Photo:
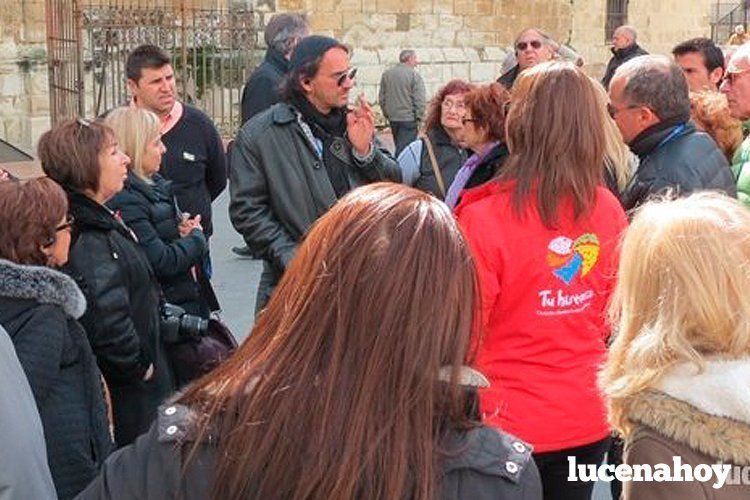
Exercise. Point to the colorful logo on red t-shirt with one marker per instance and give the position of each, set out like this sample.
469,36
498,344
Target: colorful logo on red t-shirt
572,258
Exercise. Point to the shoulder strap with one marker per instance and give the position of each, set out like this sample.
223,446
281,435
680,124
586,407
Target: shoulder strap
433,161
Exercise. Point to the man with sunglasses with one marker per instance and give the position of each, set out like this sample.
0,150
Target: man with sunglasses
402,99
736,86
624,48
650,103
293,161
534,46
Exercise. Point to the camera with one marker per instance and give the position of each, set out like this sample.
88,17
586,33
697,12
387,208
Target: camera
179,326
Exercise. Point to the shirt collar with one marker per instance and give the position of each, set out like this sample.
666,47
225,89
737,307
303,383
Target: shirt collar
169,120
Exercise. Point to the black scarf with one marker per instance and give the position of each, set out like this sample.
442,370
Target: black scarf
327,128
649,139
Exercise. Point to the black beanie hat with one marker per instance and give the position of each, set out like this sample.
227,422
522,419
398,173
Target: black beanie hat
310,48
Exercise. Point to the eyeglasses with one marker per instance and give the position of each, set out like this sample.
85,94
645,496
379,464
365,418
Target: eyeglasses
457,105
731,78
613,110
67,225
535,44
351,75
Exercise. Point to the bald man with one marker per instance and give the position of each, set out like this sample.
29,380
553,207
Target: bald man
624,48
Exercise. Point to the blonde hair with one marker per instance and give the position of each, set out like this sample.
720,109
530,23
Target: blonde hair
710,111
616,153
683,293
134,129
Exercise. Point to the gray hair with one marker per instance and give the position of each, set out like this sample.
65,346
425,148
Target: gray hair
658,83
405,55
546,37
284,31
629,30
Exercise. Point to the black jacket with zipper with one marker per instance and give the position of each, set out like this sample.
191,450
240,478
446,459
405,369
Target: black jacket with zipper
122,319
151,212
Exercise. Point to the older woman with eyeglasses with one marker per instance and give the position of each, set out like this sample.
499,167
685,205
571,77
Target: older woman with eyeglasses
122,319
484,134
430,163
39,308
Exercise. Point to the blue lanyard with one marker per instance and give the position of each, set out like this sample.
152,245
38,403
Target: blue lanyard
677,131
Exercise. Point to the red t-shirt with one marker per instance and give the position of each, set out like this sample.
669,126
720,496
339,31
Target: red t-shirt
544,298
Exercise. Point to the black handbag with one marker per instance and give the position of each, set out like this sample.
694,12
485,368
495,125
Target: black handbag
197,355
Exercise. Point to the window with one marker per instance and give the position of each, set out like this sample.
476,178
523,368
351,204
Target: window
617,15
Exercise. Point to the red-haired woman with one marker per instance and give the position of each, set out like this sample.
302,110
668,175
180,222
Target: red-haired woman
430,163
338,392
544,237
484,134
39,308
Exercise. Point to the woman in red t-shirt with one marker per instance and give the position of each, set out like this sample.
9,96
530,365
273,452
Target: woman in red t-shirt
544,237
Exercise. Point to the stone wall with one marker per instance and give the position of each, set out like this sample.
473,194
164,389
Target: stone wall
454,39
24,93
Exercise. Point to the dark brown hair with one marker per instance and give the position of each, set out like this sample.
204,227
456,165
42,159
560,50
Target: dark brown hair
145,56
29,215
487,106
556,140
334,394
435,110
69,153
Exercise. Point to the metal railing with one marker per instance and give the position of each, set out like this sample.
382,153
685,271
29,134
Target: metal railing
213,50
725,16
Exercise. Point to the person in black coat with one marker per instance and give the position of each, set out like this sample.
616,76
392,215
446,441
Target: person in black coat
624,48
650,103
175,247
261,90
281,35
393,410
38,308
123,318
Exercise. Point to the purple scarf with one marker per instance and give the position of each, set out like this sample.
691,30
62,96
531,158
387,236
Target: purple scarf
464,174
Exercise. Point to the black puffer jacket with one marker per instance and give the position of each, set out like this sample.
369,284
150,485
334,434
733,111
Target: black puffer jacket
122,320
150,211
677,157
483,465
38,307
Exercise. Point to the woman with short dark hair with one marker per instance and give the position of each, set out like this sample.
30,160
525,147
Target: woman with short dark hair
544,236
350,384
484,134
39,307
122,320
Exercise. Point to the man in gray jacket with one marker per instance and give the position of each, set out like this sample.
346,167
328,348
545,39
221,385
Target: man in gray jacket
292,162
402,99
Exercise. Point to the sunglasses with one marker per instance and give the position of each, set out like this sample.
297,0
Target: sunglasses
351,75
68,224
535,44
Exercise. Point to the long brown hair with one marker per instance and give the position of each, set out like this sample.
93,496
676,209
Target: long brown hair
335,393
556,140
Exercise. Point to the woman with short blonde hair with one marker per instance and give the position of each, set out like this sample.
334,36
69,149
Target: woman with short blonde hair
135,128
174,244
678,374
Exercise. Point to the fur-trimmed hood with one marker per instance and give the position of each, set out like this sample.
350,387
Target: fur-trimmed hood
707,411
43,285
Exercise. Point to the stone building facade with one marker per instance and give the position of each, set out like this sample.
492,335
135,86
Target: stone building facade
465,39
